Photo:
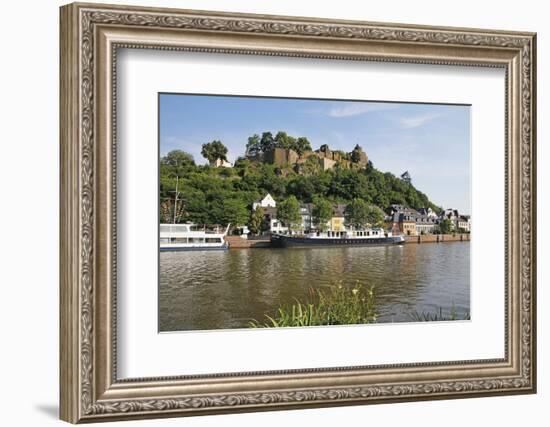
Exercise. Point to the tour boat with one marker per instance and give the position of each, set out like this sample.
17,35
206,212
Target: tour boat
187,237
368,237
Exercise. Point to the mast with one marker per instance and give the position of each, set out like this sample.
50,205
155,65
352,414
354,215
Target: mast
176,199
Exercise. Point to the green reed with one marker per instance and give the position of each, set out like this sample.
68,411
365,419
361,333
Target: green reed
335,305
438,316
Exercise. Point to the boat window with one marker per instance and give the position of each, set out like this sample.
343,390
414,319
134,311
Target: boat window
180,240
213,240
164,240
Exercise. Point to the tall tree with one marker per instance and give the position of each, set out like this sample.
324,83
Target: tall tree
253,146
214,150
256,223
446,226
177,158
288,212
302,145
322,213
283,140
375,216
267,142
359,214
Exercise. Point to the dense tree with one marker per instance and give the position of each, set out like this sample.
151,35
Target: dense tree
228,210
256,223
302,145
311,166
375,216
322,213
253,146
359,214
288,212
446,226
214,150
267,142
177,158
283,140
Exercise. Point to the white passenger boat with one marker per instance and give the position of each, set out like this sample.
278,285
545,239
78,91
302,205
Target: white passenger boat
188,237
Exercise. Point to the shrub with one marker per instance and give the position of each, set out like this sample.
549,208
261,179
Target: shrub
336,305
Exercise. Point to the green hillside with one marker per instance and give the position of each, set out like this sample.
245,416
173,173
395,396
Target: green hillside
209,195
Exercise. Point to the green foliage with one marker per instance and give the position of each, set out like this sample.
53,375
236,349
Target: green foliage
201,188
253,147
302,145
256,223
337,305
322,213
438,316
283,140
267,142
288,212
177,158
446,226
229,211
257,145
311,166
359,214
214,150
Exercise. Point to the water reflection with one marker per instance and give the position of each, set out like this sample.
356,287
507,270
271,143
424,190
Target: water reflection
225,289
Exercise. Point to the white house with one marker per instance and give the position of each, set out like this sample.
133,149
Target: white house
463,222
277,227
221,163
266,202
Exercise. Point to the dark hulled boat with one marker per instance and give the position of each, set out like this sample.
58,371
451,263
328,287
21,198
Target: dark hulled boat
342,239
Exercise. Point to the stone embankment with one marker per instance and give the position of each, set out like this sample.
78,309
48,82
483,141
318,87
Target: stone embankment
236,242
437,238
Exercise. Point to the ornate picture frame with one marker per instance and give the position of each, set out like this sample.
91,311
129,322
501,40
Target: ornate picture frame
90,37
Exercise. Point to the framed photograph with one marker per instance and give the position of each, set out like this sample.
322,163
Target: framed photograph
267,212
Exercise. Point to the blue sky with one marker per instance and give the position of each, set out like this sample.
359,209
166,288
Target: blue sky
431,141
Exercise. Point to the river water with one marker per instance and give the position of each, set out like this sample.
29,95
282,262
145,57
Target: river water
202,290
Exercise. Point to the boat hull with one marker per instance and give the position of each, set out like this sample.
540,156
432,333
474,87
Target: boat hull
282,241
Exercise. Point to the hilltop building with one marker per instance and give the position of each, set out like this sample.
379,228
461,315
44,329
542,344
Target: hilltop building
327,159
221,163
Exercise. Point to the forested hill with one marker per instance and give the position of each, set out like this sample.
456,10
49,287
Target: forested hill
210,195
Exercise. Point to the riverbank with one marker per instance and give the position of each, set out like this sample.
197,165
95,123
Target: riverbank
437,238
236,242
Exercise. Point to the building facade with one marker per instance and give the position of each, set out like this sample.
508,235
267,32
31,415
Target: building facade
267,202
338,220
463,223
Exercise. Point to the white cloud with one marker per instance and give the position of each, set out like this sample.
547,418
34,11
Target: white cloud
357,109
417,121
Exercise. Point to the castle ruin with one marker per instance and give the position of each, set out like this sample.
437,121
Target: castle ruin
356,159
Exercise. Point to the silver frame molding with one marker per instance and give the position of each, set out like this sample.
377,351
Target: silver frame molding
90,37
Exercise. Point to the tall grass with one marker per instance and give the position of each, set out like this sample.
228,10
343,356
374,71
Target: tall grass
335,305
438,316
